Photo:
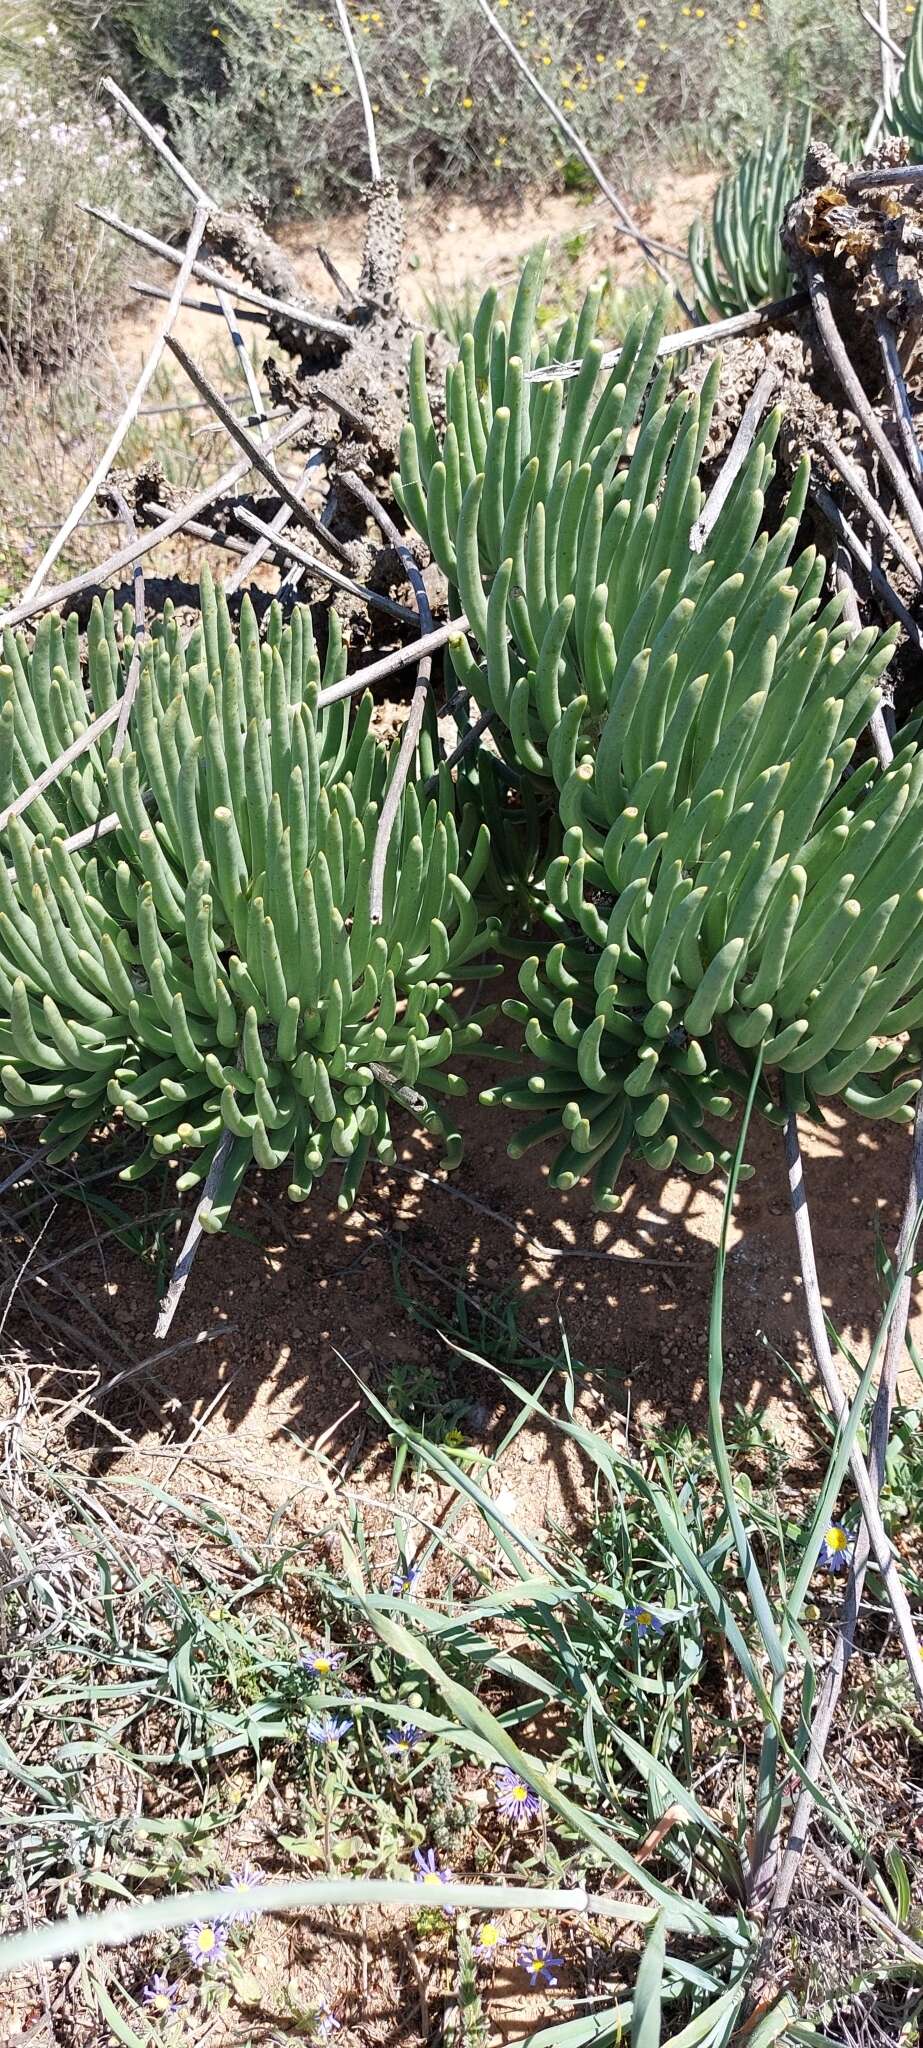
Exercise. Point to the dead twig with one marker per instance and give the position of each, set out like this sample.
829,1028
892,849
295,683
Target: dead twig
820,1346
375,671
281,309
125,558
129,413
879,732
868,420
191,1243
688,337
418,701
365,102
871,506
734,460
259,457
652,249
466,745
284,545
900,401
148,290
861,554
259,548
134,670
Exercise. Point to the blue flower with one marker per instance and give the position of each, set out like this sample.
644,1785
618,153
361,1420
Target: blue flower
324,2024
429,1872
205,1942
324,1728
160,1995
837,1549
405,1579
536,1959
644,1620
403,1741
516,1798
245,1882
322,1662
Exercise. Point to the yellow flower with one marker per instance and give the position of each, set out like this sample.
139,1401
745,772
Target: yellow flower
640,85
568,105
620,98
216,32
641,21
497,162
502,140
620,63
467,101
600,57
546,60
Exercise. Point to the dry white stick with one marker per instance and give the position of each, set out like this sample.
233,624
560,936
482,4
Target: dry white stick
259,457
375,671
820,1346
129,414
125,558
283,545
734,460
367,115
627,226
900,398
158,142
884,37
260,548
285,309
194,1235
688,337
418,701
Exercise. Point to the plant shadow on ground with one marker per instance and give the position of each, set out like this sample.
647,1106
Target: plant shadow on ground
294,1297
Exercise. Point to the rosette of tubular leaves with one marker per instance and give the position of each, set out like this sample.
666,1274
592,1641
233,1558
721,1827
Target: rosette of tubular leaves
728,882
738,260
211,967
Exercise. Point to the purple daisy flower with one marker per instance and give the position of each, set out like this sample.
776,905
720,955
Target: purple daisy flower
536,1959
324,2025
205,1942
644,1621
160,1996
837,1549
429,1872
325,1728
516,1799
405,1579
403,1741
322,1662
245,1882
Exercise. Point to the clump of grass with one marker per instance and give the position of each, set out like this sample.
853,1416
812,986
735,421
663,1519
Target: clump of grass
522,1737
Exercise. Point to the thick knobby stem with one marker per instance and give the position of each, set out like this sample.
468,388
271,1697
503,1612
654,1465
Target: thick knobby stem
820,1346
418,701
130,413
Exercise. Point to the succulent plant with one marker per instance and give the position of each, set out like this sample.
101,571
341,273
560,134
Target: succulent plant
905,116
738,261
211,967
719,890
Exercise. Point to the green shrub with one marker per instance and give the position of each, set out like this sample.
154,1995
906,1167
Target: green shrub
212,968
59,270
690,715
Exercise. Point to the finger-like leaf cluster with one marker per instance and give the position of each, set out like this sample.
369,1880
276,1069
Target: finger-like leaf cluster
738,260
211,969
720,888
